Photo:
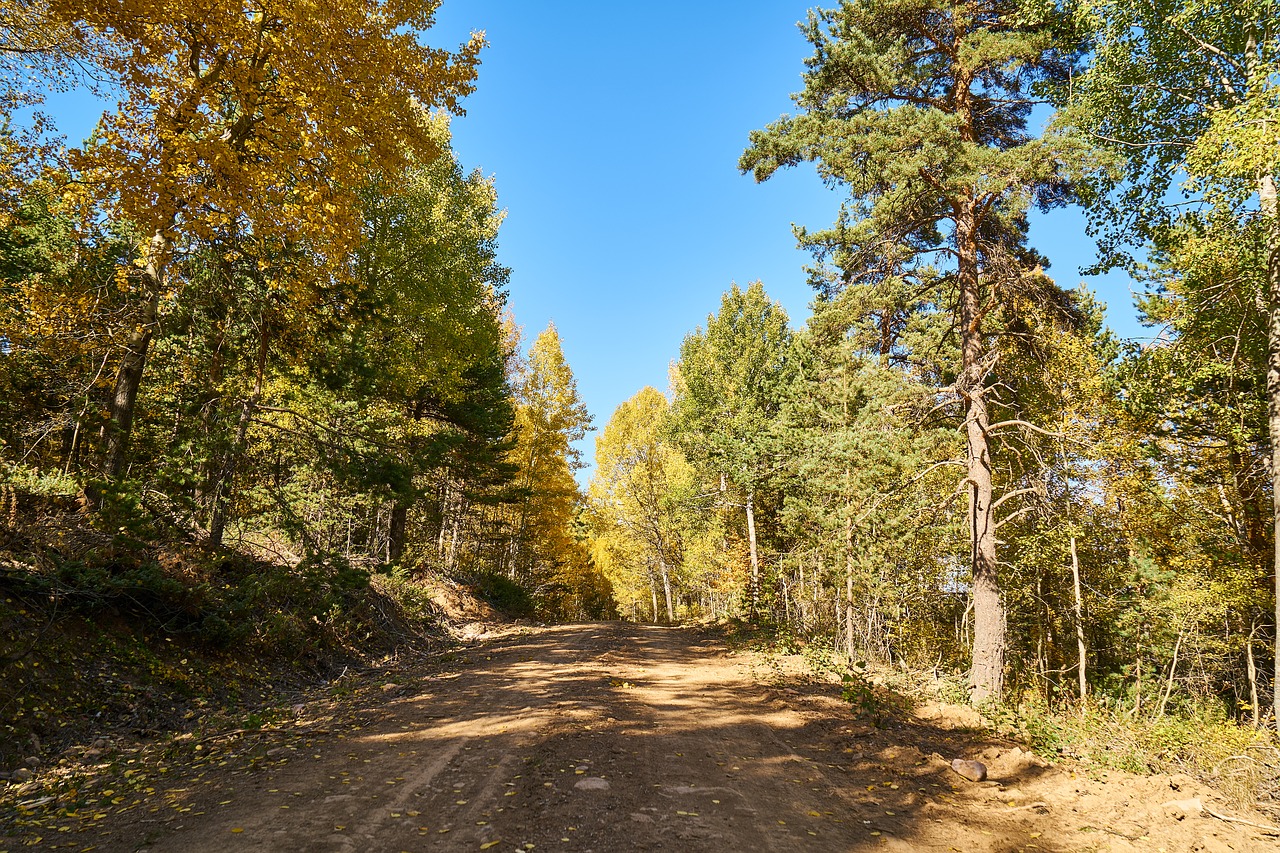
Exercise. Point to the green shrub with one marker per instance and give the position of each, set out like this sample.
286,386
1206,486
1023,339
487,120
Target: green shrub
503,594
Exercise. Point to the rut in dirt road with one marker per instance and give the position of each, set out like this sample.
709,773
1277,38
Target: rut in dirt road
608,737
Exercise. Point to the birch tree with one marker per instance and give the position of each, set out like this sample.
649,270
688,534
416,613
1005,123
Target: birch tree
640,494
1185,94
728,392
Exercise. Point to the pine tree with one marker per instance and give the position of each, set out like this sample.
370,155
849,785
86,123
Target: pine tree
918,109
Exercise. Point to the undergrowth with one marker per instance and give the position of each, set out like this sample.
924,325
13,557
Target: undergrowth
103,631
1241,761
1201,740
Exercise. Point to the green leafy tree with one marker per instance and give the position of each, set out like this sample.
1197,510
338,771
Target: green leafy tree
1184,95
728,387
262,119
865,492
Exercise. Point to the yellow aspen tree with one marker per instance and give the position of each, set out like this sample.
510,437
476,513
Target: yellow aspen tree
258,117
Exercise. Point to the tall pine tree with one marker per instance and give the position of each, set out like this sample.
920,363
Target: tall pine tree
918,109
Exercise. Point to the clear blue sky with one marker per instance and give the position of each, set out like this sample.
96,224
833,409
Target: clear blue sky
613,131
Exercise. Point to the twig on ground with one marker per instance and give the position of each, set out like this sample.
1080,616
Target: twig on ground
1269,830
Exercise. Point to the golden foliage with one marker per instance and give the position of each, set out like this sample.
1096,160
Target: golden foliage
262,116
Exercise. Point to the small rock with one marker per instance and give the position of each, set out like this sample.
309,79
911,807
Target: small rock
1178,809
641,818
100,743
22,774
32,761
591,783
279,750
1209,844
4,777
974,771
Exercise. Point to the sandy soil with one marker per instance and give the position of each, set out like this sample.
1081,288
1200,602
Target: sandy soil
617,737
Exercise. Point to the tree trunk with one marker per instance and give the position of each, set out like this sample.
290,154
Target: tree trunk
222,493
848,608
1252,669
1267,197
1173,669
987,674
800,599
653,593
666,591
396,528
755,557
451,555
124,400
1081,651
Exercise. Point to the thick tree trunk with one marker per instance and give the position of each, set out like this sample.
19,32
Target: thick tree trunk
124,399
987,674
755,556
1267,197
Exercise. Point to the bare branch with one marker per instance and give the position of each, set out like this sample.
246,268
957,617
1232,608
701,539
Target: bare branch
1015,515
1025,425
1015,493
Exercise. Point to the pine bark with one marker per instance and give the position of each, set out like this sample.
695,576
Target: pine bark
987,675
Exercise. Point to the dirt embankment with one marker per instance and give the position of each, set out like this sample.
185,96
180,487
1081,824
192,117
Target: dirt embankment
605,737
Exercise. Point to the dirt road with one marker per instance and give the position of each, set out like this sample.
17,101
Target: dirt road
615,737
